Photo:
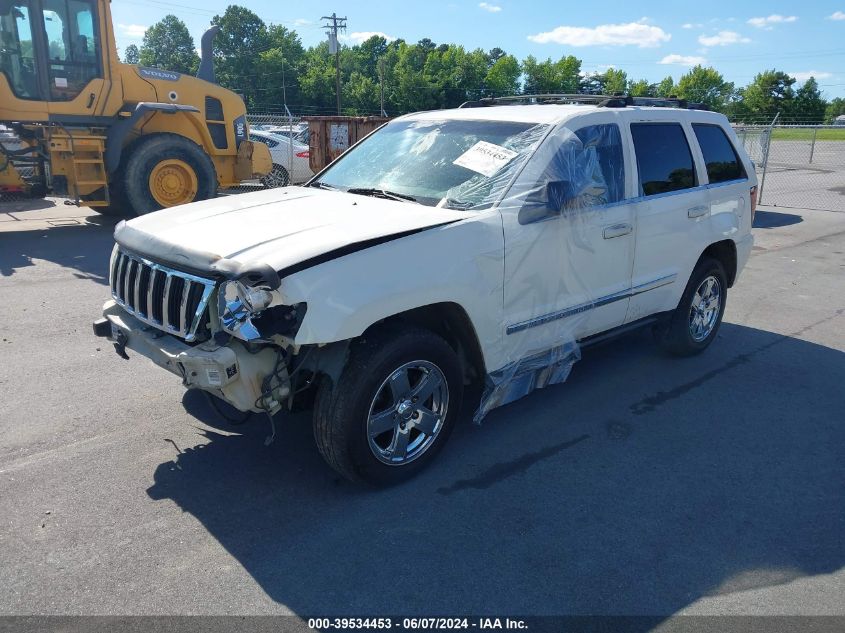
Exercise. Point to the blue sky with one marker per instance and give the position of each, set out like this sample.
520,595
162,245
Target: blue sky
648,39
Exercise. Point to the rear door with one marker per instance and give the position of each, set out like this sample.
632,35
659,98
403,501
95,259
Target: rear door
672,213
728,183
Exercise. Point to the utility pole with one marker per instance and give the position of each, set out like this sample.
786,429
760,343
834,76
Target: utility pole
332,26
381,82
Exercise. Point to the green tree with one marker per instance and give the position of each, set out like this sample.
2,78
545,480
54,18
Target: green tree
360,95
168,45
503,76
770,92
641,88
562,76
665,88
317,80
615,81
131,55
237,52
835,108
705,85
280,67
808,105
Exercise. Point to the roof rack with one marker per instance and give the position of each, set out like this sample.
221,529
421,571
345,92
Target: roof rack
602,101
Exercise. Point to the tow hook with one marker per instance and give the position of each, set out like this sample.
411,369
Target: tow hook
120,340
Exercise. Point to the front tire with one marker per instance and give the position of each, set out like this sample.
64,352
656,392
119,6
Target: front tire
695,322
278,177
166,170
393,408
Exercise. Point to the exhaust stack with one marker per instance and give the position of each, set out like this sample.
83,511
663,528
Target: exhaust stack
206,69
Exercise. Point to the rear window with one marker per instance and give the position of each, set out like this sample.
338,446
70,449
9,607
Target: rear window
664,160
721,158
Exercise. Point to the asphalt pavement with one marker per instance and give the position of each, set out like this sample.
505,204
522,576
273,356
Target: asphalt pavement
643,485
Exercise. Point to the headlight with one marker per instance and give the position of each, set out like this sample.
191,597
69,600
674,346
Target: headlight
237,304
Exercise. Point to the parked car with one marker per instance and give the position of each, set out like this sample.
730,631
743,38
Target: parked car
290,160
292,129
481,245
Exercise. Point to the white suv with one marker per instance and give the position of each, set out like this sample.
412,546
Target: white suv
483,245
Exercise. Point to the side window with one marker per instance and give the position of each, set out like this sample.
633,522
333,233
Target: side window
73,46
606,142
721,158
664,160
17,57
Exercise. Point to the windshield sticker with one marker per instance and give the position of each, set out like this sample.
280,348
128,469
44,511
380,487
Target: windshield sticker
485,158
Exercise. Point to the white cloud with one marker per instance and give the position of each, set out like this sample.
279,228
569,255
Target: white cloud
767,22
629,34
723,38
837,15
492,8
302,22
362,36
691,25
805,75
135,31
683,60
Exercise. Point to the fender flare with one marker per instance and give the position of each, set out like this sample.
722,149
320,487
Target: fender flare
117,133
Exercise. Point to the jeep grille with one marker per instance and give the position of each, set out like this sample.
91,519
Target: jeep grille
168,299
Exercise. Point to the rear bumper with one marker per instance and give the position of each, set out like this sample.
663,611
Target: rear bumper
228,371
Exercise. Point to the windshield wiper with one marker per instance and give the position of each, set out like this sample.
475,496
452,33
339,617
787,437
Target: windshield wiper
322,185
381,193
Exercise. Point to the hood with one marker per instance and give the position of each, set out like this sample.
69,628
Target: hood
277,228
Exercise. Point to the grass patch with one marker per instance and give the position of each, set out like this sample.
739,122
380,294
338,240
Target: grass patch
803,134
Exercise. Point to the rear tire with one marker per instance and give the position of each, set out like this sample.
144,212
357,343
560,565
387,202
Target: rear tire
371,426
695,322
191,178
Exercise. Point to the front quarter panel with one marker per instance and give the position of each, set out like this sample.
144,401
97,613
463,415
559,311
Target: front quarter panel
460,263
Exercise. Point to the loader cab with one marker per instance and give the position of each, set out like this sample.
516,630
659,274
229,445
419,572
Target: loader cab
51,50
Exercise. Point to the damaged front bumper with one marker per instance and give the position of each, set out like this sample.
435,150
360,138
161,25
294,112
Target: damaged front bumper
230,371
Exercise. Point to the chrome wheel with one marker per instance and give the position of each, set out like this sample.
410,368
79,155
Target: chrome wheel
407,412
278,177
705,309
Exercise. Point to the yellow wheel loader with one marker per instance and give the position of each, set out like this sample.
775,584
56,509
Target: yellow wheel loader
121,139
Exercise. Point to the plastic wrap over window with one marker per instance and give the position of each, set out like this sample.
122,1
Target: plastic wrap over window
554,213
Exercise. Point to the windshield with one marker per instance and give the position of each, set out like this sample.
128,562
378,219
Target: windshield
456,164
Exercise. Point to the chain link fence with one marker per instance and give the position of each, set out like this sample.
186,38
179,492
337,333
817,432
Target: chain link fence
798,166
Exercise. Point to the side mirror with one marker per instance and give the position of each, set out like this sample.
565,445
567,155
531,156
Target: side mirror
559,193
546,202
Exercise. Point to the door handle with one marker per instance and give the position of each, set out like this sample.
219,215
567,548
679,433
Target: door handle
616,230
697,212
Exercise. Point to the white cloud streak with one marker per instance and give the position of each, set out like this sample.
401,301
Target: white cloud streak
135,31
362,36
775,18
836,15
723,38
492,8
683,60
637,34
806,74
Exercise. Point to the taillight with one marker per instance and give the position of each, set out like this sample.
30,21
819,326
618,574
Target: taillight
305,154
753,201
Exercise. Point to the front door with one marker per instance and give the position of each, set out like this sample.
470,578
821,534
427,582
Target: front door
569,240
